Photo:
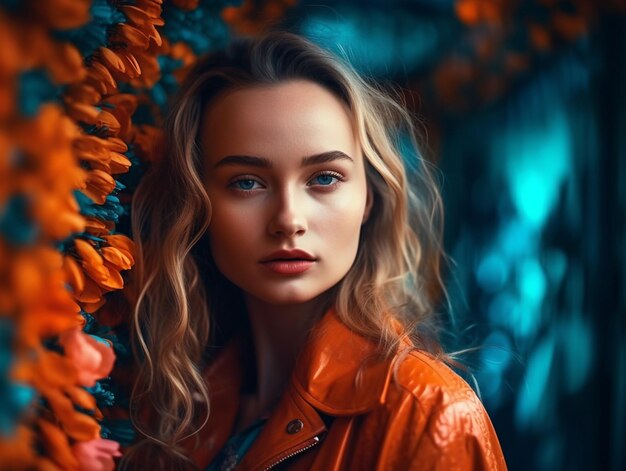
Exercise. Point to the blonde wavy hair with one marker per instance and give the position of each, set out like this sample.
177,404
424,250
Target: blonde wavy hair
180,296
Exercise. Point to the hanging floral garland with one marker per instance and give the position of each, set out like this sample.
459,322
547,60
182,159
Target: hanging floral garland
82,87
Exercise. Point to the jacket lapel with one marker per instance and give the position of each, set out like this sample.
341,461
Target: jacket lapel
294,426
338,373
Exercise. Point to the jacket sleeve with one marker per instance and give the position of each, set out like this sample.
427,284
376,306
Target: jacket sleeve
459,436
440,430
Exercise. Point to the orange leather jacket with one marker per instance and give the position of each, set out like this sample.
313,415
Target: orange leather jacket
342,411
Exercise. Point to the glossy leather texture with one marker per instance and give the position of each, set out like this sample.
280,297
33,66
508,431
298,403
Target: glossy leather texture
346,409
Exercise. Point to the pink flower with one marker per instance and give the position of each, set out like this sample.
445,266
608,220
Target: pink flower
93,359
96,455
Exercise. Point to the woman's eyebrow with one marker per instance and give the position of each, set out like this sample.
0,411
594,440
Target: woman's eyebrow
262,162
325,157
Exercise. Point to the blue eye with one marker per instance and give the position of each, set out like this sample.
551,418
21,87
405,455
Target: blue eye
325,179
245,184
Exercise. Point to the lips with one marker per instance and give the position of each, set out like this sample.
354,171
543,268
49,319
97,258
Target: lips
285,255
288,262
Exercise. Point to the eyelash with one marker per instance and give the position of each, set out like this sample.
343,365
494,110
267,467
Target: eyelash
340,178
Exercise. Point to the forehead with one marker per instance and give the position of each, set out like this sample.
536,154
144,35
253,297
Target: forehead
295,118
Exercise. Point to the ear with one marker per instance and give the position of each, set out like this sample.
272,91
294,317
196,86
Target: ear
369,202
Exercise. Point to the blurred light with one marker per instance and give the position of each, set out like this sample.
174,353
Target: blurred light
503,310
490,387
536,159
496,352
549,453
531,282
528,408
492,272
378,41
555,264
576,338
517,238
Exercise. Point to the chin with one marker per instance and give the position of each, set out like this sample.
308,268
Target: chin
284,299
286,294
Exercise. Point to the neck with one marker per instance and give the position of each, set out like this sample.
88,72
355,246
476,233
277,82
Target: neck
278,333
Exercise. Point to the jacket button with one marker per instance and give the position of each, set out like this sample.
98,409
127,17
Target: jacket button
294,426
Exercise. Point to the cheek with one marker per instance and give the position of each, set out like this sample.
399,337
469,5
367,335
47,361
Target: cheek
230,233
340,224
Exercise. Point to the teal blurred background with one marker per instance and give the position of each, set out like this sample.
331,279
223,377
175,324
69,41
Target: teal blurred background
524,107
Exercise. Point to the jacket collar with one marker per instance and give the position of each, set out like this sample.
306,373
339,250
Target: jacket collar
338,373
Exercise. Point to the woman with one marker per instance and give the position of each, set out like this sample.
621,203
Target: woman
285,280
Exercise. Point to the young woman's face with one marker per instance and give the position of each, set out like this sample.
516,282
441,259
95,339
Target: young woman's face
286,179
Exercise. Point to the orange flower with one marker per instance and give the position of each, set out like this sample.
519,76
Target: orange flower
83,93
183,52
186,4
81,397
123,107
91,298
122,243
62,14
100,78
115,144
91,260
130,35
37,282
93,359
82,112
75,276
65,63
103,154
99,185
119,163
59,216
52,173
150,70
10,53
104,273
132,66
91,294
120,259
92,149
253,17
107,120
145,16
151,10
91,308
115,280
98,227
57,445
149,142
16,451
111,60
77,425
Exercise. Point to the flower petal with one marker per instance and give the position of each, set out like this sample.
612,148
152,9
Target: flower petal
57,445
97,455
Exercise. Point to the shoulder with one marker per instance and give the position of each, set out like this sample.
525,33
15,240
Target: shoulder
439,393
449,426
424,375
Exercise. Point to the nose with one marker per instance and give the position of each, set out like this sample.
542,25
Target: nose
288,216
